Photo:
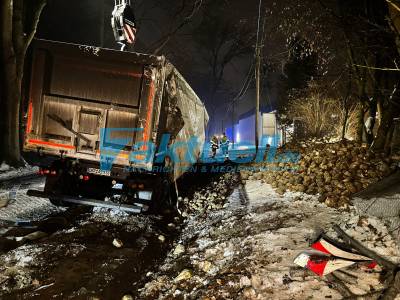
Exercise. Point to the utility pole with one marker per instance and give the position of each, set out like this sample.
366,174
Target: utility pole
233,124
258,66
257,75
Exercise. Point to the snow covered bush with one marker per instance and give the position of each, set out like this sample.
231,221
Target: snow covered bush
322,116
316,113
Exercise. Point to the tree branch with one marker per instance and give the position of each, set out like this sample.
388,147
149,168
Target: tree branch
166,38
394,5
376,68
363,250
393,289
35,21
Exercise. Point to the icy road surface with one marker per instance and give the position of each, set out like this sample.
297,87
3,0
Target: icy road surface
23,207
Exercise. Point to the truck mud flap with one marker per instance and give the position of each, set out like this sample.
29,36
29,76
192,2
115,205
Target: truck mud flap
89,202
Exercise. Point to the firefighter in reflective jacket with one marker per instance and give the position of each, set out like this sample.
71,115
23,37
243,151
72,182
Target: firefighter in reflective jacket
214,145
224,145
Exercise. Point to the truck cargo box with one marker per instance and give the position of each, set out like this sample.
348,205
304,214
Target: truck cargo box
83,100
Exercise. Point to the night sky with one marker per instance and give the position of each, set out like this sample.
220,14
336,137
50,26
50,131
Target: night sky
88,22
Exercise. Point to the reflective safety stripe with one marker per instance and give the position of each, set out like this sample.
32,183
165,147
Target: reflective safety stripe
40,142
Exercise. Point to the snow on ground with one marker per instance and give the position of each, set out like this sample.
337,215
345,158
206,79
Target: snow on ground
15,264
4,167
382,200
23,207
8,173
115,216
83,261
246,251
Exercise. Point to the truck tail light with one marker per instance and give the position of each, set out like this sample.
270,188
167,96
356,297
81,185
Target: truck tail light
47,172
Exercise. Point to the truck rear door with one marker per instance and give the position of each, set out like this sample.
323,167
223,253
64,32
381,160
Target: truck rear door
75,94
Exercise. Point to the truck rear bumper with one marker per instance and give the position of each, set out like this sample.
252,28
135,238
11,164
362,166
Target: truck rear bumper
136,209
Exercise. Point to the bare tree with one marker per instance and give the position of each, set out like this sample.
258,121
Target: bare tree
220,39
315,110
169,18
361,37
183,21
19,20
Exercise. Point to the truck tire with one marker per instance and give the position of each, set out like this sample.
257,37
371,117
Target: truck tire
165,199
55,187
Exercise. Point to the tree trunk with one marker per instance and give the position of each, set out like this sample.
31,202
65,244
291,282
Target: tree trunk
346,108
345,120
386,122
10,146
14,44
360,124
389,138
9,139
384,128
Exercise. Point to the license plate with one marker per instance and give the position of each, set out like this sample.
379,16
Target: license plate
98,172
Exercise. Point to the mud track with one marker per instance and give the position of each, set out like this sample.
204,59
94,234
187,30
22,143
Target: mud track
76,258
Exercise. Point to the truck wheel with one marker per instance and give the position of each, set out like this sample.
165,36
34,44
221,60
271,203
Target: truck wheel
166,198
54,187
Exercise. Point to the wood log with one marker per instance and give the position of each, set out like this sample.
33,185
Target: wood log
363,250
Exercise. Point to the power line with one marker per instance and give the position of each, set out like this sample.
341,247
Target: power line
243,91
256,64
246,84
